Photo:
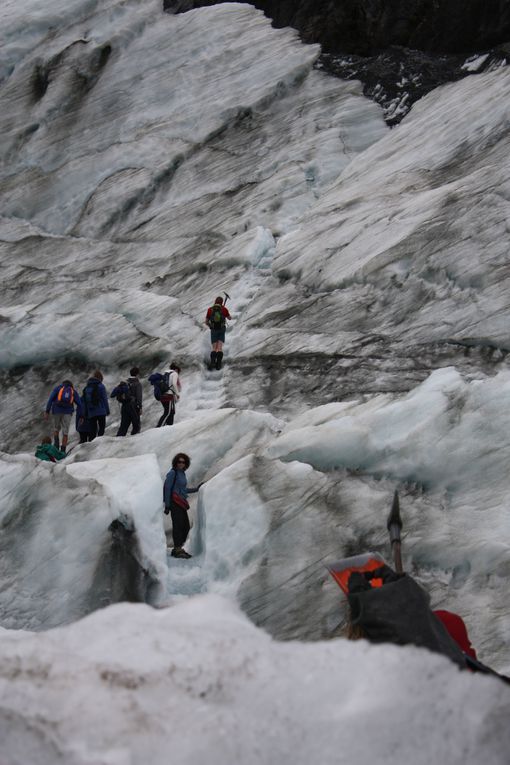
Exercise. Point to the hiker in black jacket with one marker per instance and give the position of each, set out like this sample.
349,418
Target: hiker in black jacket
129,395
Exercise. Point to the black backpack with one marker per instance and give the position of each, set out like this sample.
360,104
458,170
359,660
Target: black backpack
216,319
91,395
124,393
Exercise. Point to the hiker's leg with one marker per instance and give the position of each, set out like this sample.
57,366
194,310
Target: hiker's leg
55,420
101,424
170,418
166,406
135,420
66,422
84,437
125,420
180,525
93,428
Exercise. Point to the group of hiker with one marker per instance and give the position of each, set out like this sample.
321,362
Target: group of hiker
92,407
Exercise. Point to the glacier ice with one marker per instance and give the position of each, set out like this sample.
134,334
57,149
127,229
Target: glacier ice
150,162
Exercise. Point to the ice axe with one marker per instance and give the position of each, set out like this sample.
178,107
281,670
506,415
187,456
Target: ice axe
394,526
227,297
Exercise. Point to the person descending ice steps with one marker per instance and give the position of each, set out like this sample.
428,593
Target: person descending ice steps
216,319
175,498
61,404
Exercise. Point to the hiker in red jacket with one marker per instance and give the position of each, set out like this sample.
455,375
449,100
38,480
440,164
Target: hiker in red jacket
216,320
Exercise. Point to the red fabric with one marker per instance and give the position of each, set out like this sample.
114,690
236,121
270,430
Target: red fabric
457,630
224,312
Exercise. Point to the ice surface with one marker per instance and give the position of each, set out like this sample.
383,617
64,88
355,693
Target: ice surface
199,681
149,163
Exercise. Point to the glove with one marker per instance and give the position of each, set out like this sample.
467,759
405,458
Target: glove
359,581
166,510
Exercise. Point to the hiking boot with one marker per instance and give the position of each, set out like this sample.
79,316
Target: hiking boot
212,364
56,442
219,357
178,552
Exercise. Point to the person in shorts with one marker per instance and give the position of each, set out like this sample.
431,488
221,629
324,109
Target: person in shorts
216,320
61,403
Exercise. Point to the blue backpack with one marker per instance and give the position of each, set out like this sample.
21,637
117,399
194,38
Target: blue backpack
66,395
160,384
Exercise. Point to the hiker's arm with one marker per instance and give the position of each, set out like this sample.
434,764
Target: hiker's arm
115,392
139,396
104,396
167,488
50,402
197,488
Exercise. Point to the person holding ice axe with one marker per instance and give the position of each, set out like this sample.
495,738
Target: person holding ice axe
216,320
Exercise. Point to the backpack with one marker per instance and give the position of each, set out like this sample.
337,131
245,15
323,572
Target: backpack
91,395
65,395
160,383
164,383
216,319
123,392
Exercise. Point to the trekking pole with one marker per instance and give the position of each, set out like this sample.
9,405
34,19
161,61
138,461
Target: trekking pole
394,526
227,297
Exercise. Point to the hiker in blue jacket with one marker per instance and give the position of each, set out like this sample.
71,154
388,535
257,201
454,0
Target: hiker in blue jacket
95,407
175,497
60,404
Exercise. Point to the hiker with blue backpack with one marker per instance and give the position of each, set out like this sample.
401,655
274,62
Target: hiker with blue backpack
94,408
167,389
216,319
61,403
129,395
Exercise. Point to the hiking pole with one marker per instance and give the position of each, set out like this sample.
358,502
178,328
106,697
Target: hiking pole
227,297
394,526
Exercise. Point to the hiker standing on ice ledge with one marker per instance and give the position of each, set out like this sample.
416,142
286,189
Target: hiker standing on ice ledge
216,320
175,497
61,403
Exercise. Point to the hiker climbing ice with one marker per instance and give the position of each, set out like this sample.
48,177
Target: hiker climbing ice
216,319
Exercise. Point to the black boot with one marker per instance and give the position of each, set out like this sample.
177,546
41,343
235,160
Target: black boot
219,357
212,365
56,442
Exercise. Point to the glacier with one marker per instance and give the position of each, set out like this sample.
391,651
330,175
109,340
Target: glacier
150,162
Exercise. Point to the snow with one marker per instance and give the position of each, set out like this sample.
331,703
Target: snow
199,681
149,163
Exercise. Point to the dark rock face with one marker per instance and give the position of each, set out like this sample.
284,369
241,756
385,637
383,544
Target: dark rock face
399,50
398,77
365,27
